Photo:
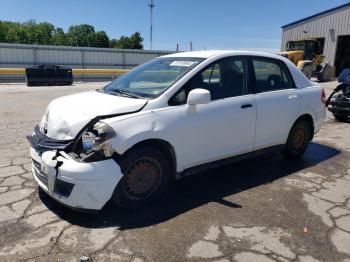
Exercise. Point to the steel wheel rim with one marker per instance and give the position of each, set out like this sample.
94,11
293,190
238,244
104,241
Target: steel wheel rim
142,178
299,138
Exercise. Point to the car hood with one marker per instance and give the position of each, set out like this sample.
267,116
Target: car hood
66,116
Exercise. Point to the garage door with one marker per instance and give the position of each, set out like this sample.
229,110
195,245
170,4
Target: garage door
342,59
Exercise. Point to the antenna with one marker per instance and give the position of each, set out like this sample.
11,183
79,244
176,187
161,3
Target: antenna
151,5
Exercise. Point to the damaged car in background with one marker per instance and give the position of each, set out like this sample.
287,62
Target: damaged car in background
339,99
173,116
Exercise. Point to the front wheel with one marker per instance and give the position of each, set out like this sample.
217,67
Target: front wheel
298,140
146,175
341,118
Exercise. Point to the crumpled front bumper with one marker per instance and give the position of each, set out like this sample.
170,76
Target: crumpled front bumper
78,185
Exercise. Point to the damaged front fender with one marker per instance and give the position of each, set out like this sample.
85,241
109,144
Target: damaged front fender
42,142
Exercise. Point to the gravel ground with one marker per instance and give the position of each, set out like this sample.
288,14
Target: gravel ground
260,209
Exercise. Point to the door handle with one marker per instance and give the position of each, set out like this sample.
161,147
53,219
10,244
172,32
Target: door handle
292,96
246,106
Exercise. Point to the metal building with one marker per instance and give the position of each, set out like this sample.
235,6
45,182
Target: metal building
21,56
332,26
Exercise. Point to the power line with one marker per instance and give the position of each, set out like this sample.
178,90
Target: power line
151,5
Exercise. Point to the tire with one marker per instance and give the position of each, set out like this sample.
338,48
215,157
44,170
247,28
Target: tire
341,118
307,70
298,140
326,74
146,176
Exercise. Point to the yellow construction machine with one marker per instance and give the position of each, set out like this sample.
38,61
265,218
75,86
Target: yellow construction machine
308,56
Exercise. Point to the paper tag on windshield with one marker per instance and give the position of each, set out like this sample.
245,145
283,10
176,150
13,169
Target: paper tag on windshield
182,63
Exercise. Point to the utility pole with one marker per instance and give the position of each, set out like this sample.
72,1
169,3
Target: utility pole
151,5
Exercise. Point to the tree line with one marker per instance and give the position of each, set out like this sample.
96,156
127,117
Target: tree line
45,33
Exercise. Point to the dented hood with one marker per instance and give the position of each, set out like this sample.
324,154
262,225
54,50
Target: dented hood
66,116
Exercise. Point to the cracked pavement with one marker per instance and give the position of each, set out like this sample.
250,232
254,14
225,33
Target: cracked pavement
261,209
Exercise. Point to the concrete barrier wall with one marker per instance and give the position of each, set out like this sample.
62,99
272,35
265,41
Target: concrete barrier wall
21,56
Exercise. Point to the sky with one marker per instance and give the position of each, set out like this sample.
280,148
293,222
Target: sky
209,24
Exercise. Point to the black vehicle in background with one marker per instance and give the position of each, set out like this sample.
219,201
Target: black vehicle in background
49,75
340,104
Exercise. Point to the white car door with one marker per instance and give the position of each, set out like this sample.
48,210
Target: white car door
226,126
277,102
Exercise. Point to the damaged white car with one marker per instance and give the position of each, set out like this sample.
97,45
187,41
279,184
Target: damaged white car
170,117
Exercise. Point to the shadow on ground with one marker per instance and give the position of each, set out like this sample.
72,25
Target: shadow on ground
188,193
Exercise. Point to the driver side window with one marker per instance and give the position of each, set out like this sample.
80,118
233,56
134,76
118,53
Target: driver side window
224,78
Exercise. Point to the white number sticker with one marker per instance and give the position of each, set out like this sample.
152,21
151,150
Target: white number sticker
182,63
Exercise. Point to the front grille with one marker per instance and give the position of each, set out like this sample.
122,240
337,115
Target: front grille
37,172
41,176
36,164
41,142
340,104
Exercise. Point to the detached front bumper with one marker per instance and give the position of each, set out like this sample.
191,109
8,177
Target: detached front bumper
339,108
78,185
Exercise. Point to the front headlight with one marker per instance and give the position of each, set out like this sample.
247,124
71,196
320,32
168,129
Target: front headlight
97,139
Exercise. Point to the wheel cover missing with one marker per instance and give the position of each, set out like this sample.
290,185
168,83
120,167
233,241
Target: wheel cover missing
142,177
299,138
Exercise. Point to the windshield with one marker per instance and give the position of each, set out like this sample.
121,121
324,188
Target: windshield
153,78
295,46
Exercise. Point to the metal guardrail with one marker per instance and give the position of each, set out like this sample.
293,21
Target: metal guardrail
12,71
89,71
83,71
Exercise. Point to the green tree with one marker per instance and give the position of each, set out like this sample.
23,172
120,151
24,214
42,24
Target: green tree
4,28
81,35
45,33
136,41
40,34
126,42
101,39
17,34
59,37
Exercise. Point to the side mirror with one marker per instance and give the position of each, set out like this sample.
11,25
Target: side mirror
198,96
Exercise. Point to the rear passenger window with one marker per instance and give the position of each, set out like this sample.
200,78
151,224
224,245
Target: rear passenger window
270,76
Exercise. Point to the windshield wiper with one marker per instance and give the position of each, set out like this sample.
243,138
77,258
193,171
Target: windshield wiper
123,93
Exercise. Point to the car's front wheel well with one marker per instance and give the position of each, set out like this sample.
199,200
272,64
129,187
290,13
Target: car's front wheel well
308,118
163,146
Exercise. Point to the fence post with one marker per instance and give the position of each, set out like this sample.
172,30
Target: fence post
82,63
124,59
35,55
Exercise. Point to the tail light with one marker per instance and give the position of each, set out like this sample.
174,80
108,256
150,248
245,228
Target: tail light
323,97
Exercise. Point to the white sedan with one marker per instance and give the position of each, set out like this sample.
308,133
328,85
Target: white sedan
170,117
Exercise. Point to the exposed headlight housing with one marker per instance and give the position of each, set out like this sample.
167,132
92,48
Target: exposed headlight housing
43,122
96,140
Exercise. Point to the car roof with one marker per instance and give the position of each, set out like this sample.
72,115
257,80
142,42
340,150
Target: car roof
300,79
210,53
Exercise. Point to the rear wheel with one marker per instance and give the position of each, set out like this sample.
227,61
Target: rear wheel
146,175
326,74
307,70
298,140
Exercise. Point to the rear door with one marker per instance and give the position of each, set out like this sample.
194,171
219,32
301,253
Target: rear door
277,101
